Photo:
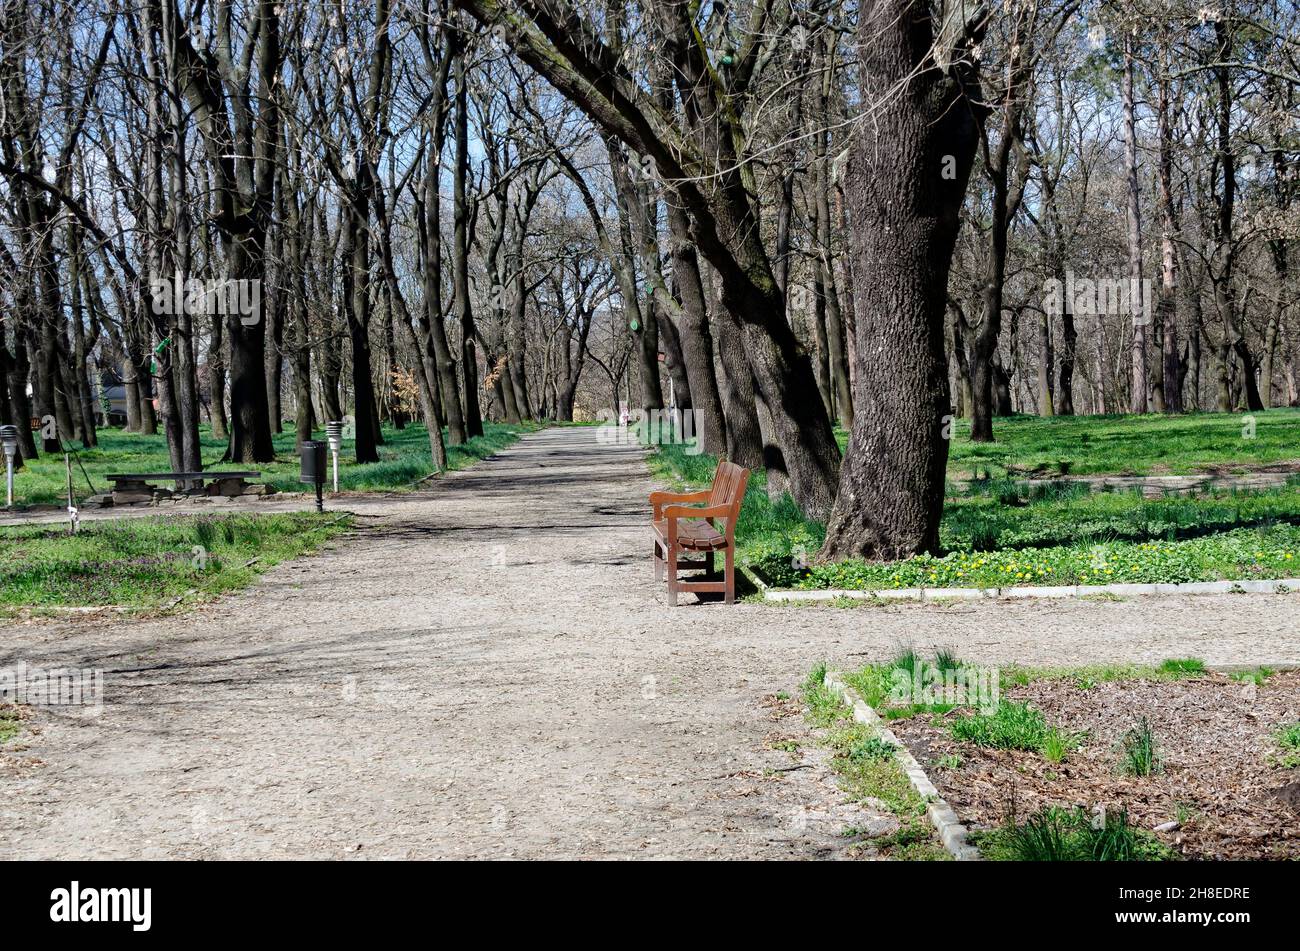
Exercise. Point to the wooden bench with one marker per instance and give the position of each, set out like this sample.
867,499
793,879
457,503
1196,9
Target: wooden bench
681,527
131,487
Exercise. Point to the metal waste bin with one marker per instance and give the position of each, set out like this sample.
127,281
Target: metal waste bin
311,456
9,441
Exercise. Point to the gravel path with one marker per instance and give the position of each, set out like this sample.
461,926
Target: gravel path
487,669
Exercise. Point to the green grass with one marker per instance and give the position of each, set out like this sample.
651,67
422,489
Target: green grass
1009,538
1136,445
1183,666
879,684
1256,676
1070,835
9,722
1288,740
867,770
1238,554
404,459
980,524
1088,676
1013,726
1139,752
148,562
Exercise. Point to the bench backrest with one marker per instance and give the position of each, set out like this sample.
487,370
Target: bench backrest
729,484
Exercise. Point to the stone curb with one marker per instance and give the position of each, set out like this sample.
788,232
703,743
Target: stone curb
754,579
951,832
1279,586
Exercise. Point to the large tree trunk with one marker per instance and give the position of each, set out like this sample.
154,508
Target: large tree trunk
744,437
905,220
433,332
694,336
460,253
1133,206
1065,369
837,358
243,197
1167,303
356,308
1043,396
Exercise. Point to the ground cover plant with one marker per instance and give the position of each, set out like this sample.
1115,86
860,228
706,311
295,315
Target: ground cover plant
403,459
1019,536
867,770
148,562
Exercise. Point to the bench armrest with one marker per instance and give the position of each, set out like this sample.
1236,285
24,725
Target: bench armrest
674,512
660,499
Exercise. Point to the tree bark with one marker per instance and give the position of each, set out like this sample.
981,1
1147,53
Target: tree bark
1133,207
905,216
460,252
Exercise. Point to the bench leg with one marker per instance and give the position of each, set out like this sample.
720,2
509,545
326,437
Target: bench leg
708,565
659,564
730,575
672,576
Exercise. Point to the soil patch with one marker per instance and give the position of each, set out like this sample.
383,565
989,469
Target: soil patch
1221,780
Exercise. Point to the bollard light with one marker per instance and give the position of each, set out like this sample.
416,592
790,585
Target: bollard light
9,439
334,432
312,462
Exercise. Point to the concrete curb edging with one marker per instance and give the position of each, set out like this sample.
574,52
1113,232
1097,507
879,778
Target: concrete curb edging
755,580
951,831
1279,586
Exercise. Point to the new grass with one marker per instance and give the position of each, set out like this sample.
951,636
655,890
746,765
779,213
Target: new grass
867,770
1056,834
1288,741
1010,538
1128,445
1088,676
1140,752
149,562
403,459
9,722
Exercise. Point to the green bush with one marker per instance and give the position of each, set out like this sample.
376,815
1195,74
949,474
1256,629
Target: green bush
144,562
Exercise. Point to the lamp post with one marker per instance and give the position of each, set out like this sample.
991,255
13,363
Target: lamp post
334,432
9,439
312,467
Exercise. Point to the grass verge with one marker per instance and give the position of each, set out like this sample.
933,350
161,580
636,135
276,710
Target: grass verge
867,770
1059,540
147,562
403,459
1129,445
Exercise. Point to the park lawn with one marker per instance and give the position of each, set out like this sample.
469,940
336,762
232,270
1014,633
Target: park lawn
1015,536
149,562
404,460
1128,445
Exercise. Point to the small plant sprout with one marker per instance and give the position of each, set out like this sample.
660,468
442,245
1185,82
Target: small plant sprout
1140,755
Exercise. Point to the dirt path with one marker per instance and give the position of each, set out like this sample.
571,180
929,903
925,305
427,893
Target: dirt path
489,670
